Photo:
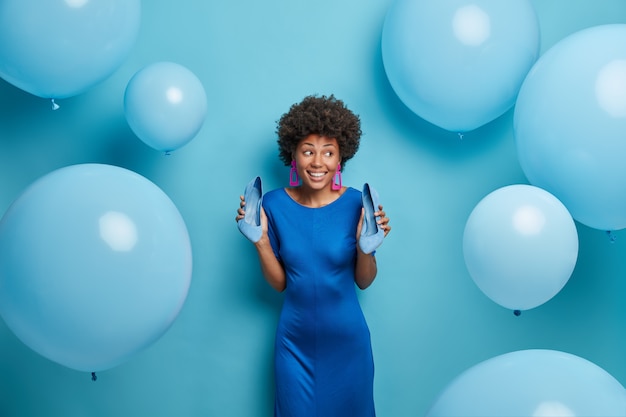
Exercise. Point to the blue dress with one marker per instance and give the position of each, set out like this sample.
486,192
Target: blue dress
323,355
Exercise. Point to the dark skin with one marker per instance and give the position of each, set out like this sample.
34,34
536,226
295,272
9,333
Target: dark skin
317,158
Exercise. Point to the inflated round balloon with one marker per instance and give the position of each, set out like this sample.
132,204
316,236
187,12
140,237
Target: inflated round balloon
459,64
520,246
536,382
165,105
58,49
569,124
95,265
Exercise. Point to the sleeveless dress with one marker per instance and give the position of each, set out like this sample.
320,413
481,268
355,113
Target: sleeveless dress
323,357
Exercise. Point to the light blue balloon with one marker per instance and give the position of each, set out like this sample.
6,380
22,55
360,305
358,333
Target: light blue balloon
95,265
569,124
520,246
459,64
535,382
57,49
165,105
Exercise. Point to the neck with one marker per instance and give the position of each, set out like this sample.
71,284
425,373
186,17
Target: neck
314,198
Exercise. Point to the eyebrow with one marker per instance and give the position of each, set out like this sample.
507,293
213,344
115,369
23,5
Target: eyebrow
324,145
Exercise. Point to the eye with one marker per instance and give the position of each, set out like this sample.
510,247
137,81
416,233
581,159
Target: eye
307,153
329,153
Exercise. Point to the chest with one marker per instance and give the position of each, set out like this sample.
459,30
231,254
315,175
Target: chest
310,238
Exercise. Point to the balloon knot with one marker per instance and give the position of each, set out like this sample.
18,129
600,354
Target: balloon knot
460,135
611,236
55,106
94,377
517,312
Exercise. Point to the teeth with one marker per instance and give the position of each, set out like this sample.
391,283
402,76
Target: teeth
317,174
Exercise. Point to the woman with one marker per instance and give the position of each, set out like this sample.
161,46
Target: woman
308,246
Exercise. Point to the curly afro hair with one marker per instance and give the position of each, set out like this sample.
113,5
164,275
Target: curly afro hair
324,116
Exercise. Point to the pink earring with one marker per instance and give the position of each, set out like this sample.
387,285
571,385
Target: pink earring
336,185
293,175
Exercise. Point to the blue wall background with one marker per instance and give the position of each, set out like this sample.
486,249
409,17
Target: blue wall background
429,322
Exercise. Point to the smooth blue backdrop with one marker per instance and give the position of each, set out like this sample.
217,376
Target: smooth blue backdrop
429,321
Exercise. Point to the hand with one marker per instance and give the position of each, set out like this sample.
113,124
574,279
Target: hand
241,213
383,220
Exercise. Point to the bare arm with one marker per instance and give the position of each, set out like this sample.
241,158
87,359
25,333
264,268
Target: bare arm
272,270
366,269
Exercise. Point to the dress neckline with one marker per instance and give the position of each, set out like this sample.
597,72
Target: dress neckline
315,208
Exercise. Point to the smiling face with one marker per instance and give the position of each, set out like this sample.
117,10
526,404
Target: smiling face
316,159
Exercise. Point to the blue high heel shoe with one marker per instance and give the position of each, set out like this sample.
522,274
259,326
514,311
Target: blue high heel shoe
372,234
250,225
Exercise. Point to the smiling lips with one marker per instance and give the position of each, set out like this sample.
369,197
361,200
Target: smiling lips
316,174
